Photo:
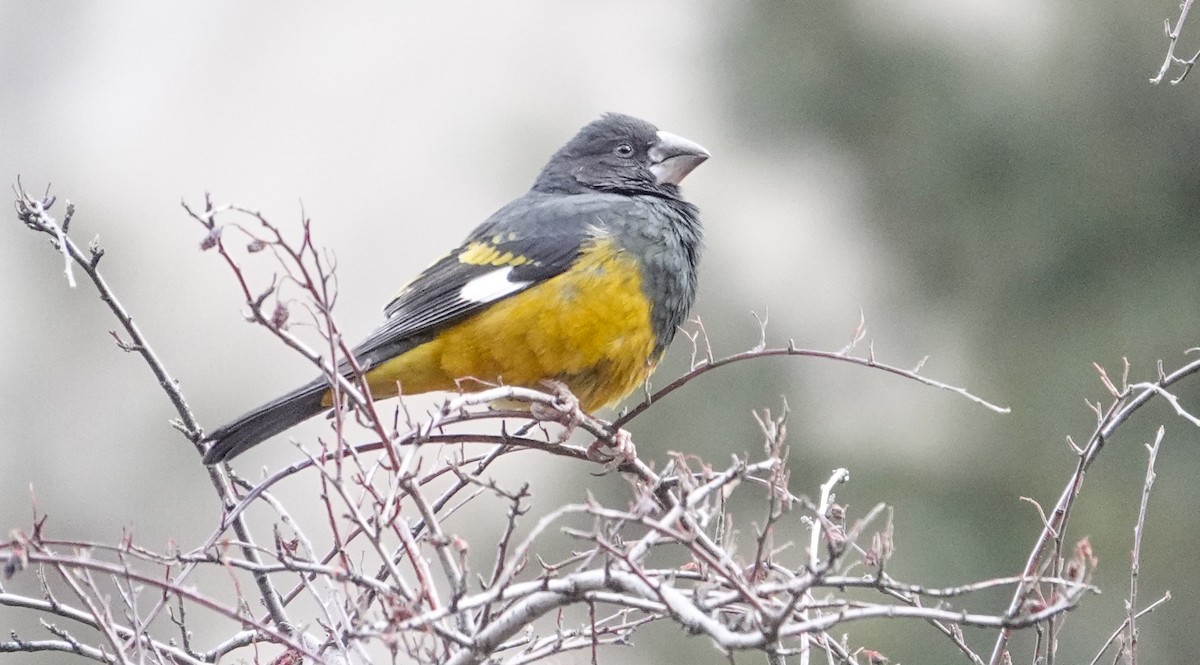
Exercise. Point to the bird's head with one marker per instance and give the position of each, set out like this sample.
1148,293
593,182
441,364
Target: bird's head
620,153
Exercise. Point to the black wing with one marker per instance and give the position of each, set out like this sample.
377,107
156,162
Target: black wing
528,241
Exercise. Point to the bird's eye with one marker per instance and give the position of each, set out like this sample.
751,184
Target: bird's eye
623,150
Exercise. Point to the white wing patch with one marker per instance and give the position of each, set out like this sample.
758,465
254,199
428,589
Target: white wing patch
491,286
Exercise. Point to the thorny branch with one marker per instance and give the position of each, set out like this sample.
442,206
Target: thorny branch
1173,33
1127,400
386,551
1139,528
34,213
709,363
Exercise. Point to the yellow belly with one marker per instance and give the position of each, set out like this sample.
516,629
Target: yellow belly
588,327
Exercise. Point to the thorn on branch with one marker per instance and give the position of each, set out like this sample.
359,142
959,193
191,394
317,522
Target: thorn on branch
708,351
1042,514
762,330
860,332
1074,446
1108,384
127,347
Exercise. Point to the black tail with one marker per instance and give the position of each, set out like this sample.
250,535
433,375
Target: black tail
265,422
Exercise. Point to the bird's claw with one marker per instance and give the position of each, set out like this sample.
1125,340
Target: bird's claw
615,451
564,410
612,451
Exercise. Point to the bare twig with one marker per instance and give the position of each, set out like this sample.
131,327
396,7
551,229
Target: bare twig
1121,409
704,366
814,553
1125,624
667,552
1130,647
33,212
1172,33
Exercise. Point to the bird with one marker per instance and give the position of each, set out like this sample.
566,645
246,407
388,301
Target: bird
582,281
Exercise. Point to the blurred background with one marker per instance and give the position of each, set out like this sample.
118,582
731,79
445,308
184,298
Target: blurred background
994,184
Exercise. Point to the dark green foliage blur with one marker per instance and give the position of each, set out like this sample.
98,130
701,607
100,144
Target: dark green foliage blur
1042,197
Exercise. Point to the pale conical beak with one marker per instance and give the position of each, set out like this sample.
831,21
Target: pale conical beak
673,157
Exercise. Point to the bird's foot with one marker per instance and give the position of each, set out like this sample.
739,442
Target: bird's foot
564,410
614,451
